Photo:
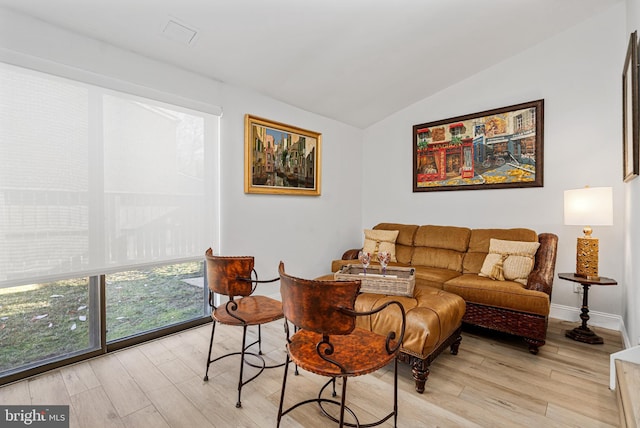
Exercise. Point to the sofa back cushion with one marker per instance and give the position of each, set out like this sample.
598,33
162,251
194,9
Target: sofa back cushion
440,246
481,239
377,241
509,260
404,241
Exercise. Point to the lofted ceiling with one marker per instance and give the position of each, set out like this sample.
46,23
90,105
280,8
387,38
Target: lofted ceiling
356,61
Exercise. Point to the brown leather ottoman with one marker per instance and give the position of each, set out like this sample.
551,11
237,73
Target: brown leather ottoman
433,323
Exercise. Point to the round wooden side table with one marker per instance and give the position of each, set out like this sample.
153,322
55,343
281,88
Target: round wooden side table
582,333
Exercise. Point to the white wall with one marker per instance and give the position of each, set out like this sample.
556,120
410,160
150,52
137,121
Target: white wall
305,232
631,298
578,74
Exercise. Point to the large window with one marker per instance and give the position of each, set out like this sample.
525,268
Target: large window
107,201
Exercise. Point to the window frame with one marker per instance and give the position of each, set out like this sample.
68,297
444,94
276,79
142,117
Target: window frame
97,283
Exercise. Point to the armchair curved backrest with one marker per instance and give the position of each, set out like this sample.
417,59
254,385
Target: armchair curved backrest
229,275
317,305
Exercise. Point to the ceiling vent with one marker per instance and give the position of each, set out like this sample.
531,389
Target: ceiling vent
179,32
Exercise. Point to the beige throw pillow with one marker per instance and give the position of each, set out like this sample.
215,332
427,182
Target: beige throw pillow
509,260
380,240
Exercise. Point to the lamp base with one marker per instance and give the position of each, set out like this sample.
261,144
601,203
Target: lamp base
587,258
584,335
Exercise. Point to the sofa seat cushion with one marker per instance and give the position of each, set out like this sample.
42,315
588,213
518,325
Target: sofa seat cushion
432,315
433,277
503,294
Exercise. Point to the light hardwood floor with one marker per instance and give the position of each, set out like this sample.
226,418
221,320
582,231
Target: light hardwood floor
492,382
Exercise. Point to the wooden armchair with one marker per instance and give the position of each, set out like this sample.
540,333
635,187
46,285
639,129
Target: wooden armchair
236,278
328,343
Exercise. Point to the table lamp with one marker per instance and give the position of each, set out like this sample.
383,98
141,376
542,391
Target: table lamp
591,206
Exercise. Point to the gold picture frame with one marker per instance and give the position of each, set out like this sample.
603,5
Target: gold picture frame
630,113
281,159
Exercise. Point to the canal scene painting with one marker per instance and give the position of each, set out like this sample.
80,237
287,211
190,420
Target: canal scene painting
497,149
280,158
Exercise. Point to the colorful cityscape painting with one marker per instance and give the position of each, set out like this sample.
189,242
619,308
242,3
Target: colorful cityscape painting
281,159
498,148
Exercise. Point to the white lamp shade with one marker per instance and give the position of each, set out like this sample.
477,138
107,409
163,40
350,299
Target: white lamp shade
591,206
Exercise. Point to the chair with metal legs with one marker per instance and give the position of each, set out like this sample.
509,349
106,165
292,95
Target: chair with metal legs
328,343
236,278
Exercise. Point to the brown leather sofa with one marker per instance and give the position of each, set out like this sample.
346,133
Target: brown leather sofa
448,259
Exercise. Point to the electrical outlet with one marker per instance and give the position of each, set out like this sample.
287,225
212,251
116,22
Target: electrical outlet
577,288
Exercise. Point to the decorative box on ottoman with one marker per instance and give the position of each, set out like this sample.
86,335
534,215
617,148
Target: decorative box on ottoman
396,281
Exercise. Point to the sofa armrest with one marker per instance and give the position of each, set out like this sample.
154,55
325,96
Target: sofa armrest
351,254
541,277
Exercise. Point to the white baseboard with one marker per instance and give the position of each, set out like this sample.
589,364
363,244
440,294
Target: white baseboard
597,319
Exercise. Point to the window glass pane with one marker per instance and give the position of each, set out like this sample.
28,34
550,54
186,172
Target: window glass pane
43,322
147,299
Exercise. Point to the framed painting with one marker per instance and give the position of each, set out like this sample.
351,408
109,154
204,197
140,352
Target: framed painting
493,149
280,159
630,159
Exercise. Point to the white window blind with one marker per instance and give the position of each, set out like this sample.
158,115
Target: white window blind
94,180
